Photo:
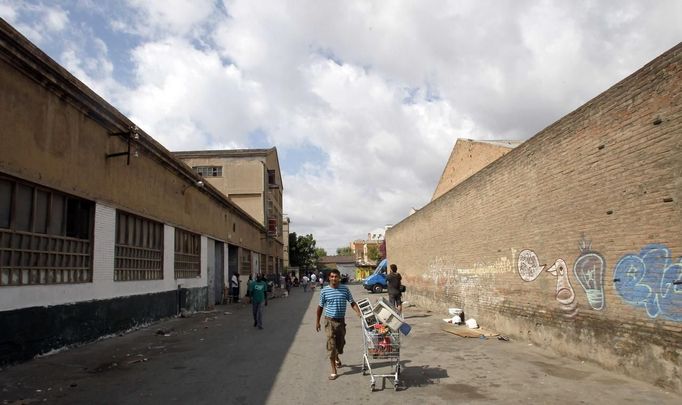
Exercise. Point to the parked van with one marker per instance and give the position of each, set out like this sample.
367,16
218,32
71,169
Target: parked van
377,281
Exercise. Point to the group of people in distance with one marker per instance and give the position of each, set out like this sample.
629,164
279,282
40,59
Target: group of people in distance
311,280
334,299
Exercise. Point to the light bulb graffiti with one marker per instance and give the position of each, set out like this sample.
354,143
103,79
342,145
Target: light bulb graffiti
589,271
651,279
529,269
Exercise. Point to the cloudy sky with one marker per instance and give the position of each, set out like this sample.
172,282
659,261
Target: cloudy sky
363,99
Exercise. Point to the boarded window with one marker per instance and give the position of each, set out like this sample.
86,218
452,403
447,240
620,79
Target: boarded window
139,248
187,254
34,247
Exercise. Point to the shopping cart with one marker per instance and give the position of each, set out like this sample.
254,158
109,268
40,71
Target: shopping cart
381,347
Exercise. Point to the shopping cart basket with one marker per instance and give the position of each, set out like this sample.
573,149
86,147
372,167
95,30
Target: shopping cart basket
381,349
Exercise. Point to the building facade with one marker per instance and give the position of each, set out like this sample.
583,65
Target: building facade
285,241
572,240
468,157
251,178
101,228
362,248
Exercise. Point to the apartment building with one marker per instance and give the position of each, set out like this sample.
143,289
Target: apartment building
251,178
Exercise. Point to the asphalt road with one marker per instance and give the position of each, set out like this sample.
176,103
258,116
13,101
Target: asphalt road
220,358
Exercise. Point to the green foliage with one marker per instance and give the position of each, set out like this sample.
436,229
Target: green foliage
344,251
373,253
320,252
302,251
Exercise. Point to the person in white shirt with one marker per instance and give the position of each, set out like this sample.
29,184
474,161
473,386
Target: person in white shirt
313,281
234,285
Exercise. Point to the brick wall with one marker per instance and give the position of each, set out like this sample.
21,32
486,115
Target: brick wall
573,240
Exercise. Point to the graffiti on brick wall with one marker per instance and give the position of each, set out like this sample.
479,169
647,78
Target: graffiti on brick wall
444,275
529,266
529,269
589,271
651,279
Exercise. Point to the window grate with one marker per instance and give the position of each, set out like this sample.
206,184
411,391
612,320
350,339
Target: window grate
246,262
139,248
187,254
32,259
45,235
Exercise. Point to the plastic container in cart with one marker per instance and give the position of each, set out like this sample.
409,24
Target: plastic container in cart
385,313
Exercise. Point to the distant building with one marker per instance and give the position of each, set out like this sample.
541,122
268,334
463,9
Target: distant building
468,157
250,178
344,264
361,247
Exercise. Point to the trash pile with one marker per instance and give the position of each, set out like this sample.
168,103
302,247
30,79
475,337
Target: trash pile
457,318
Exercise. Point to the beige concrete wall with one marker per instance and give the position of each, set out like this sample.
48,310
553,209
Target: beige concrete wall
572,240
467,157
242,182
50,137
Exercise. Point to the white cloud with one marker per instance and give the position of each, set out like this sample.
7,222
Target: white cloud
383,88
35,21
189,99
160,18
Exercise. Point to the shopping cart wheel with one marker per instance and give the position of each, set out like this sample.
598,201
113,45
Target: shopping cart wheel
371,387
364,372
395,385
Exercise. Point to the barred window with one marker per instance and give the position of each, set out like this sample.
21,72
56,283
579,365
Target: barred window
263,265
45,235
187,254
209,171
138,251
271,265
246,262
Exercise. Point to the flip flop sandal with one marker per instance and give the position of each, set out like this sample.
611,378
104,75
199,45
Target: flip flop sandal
333,376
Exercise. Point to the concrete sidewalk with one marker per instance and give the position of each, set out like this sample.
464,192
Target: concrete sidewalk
219,357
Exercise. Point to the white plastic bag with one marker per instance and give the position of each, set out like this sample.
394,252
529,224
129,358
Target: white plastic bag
471,323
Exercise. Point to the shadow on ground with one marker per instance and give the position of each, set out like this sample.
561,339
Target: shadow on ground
182,360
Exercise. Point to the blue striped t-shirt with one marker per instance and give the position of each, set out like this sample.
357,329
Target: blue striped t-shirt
333,300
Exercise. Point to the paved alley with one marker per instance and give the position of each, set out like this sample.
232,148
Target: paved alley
220,358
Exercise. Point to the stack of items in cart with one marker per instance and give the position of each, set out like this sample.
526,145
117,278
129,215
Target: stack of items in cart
383,325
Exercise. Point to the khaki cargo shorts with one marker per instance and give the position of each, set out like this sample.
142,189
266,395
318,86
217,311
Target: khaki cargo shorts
335,328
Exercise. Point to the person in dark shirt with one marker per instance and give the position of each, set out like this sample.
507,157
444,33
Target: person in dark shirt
394,281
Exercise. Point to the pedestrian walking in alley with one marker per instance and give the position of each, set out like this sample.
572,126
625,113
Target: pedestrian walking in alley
249,283
313,281
304,282
321,279
234,285
394,281
333,300
259,298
